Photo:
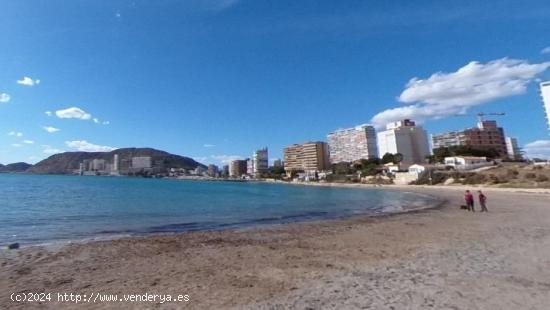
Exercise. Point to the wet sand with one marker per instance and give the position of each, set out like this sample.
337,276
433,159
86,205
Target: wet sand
443,258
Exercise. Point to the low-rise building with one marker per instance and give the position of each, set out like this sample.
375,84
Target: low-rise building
467,162
417,169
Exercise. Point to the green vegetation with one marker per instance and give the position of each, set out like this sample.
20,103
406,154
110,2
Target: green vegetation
276,173
460,150
392,158
364,167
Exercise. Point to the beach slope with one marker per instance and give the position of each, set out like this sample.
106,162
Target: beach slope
443,258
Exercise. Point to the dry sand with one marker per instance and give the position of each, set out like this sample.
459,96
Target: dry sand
442,258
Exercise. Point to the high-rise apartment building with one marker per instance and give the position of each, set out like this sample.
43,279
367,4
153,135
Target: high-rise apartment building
447,139
306,157
260,162
249,167
142,162
513,149
237,168
98,164
115,163
212,170
351,144
406,138
487,135
545,93
277,163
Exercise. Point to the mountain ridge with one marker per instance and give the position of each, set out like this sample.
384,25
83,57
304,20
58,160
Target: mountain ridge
68,162
15,167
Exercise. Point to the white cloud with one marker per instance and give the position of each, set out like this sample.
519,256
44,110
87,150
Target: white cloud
4,98
208,145
73,112
225,159
28,141
201,159
48,113
545,50
27,81
85,146
98,121
217,159
15,133
445,94
16,145
51,129
537,149
50,150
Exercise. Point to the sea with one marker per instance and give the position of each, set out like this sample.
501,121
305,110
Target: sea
46,209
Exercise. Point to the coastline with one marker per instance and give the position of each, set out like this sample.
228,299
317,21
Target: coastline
421,187
441,258
260,223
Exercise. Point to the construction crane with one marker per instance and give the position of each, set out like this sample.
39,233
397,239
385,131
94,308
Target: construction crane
481,115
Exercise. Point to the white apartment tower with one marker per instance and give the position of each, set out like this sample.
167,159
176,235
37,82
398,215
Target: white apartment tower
406,138
115,163
545,93
512,148
351,144
260,162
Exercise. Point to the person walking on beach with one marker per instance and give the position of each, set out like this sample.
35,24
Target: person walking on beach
469,198
482,202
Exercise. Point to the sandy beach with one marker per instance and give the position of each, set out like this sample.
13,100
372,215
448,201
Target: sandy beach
442,258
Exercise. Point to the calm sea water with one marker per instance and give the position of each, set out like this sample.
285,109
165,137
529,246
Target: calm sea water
41,209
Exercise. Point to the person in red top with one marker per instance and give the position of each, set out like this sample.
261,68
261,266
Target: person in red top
482,202
469,198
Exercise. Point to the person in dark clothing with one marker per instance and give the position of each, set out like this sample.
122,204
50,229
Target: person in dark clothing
469,198
483,202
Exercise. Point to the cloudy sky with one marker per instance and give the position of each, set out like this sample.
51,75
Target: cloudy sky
215,79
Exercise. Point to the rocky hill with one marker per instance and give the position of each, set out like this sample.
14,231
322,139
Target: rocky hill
68,162
15,167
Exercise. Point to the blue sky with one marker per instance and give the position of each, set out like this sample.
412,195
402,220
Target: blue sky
216,79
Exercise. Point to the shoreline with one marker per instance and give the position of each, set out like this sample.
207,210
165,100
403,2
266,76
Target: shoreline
419,187
434,203
441,258
502,187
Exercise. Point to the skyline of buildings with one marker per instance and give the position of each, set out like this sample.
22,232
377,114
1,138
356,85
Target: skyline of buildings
344,145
